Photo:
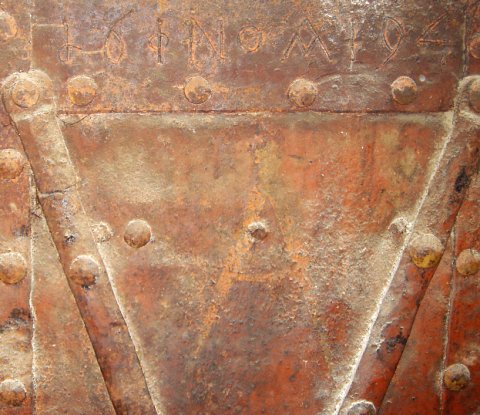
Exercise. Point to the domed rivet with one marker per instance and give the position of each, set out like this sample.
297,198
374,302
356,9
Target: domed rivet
81,90
468,262
137,233
12,392
13,268
84,270
474,95
362,408
11,163
456,377
474,46
25,93
257,231
404,90
302,93
8,26
197,90
426,250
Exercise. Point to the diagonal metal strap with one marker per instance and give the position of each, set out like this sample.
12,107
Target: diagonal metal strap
29,100
434,222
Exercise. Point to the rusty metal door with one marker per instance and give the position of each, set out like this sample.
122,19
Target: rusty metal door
240,207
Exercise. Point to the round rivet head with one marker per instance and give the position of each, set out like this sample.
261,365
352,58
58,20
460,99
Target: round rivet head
197,90
404,90
456,377
362,408
474,95
12,392
137,233
81,90
13,268
468,262
25,93
257,231
426,250
84,270
302,93
8,26
11,163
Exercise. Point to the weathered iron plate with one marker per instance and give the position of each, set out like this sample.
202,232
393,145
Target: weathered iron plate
16,317
472,37
224,322
142,53
241,176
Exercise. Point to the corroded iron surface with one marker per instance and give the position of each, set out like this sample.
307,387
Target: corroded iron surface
229,207
248,53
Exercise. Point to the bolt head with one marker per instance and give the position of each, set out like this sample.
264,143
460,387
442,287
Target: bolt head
302,93
362,408
81,90
13,268
426,250
468,262
12,392
25,92
197,90
84,270
257,231
11,163
138,233
404,90
456,377
474,95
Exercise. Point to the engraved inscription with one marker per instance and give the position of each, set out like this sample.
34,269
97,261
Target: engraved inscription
428,36
206,41
393,34
306,47
250,38
198,37
159,41
115,46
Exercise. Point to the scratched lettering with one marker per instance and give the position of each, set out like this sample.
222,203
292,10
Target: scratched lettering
198,36
250,38
205,41
158,42
393,35
115,46
428,35
306,47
